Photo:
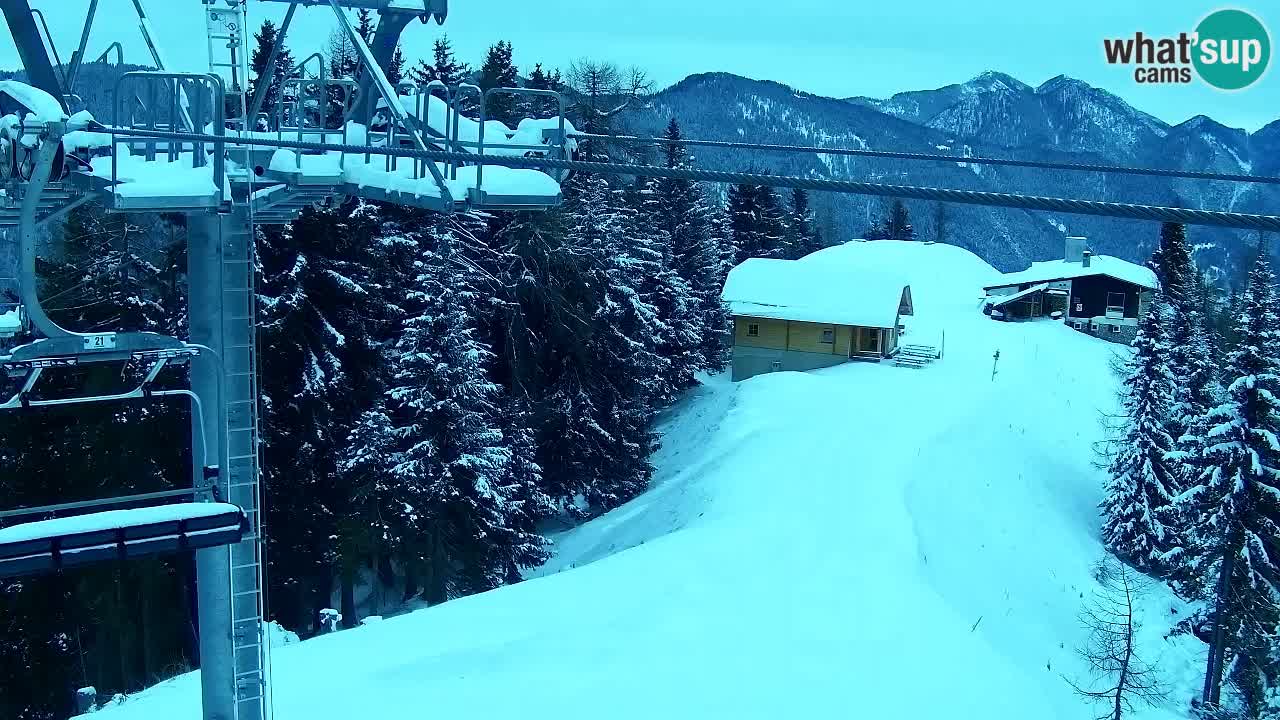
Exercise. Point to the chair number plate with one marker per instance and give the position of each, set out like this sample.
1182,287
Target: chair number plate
100,341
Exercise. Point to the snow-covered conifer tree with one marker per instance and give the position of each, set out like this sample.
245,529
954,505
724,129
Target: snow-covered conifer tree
757,222
1138,508
688,220
452,462
1235,508
802,236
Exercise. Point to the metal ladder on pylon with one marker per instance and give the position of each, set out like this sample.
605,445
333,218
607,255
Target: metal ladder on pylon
227,25
250,640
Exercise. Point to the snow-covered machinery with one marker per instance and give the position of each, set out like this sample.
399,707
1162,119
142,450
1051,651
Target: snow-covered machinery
375,115
204,146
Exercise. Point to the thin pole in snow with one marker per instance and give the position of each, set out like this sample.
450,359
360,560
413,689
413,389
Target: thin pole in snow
995,360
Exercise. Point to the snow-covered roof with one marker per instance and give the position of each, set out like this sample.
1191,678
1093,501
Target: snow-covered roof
813,292
1062,270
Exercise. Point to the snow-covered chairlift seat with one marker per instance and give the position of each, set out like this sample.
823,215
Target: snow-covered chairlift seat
49,545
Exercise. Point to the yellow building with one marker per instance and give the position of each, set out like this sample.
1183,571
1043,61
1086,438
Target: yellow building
797,315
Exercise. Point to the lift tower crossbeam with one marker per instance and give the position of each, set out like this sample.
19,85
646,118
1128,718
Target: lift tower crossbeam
31,48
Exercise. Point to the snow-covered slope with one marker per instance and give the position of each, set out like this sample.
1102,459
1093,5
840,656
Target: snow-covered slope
864,540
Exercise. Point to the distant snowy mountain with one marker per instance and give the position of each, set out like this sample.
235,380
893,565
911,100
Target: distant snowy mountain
996,109
993,114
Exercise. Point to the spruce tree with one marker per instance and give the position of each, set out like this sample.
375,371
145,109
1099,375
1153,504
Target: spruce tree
395,68
444,66
941,221
1138,510
453,463
688,220
365,25
802,235
1198,390
596,437
266,37
1176,276
521,483
499,71
321,320
539,79
896,225
757,222
1173,264
679,310
364,463
1235,508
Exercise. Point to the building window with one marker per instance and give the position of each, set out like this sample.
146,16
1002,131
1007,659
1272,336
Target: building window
1115,304
753,329
829,336
1115,328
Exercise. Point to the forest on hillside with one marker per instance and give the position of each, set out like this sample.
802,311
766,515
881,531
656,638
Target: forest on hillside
437,392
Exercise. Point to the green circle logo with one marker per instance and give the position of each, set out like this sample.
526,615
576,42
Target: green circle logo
1233,49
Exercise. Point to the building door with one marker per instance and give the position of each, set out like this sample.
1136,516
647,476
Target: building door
868,340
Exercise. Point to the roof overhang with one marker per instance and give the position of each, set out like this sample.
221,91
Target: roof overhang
1100,273
1006,299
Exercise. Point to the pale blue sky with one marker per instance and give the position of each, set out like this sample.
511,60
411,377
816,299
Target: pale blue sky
830,47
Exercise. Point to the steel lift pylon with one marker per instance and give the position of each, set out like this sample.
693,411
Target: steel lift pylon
225,190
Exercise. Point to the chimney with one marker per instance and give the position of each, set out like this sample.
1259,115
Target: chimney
1085,257
1074,250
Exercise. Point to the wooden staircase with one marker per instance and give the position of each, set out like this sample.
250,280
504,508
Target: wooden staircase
916,356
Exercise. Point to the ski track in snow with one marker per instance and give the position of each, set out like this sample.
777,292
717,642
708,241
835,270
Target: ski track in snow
859,541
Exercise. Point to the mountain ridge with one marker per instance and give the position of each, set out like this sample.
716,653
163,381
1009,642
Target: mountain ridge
1063,119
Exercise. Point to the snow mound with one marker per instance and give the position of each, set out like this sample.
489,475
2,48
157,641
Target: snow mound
941,276
863,540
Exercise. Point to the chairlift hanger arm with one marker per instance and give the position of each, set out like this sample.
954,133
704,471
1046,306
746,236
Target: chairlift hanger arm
45,155
77,57
269,72
373,70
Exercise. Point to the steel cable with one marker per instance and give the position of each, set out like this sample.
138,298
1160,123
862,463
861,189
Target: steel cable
1219,218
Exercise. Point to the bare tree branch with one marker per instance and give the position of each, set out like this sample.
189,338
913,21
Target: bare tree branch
1110,649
